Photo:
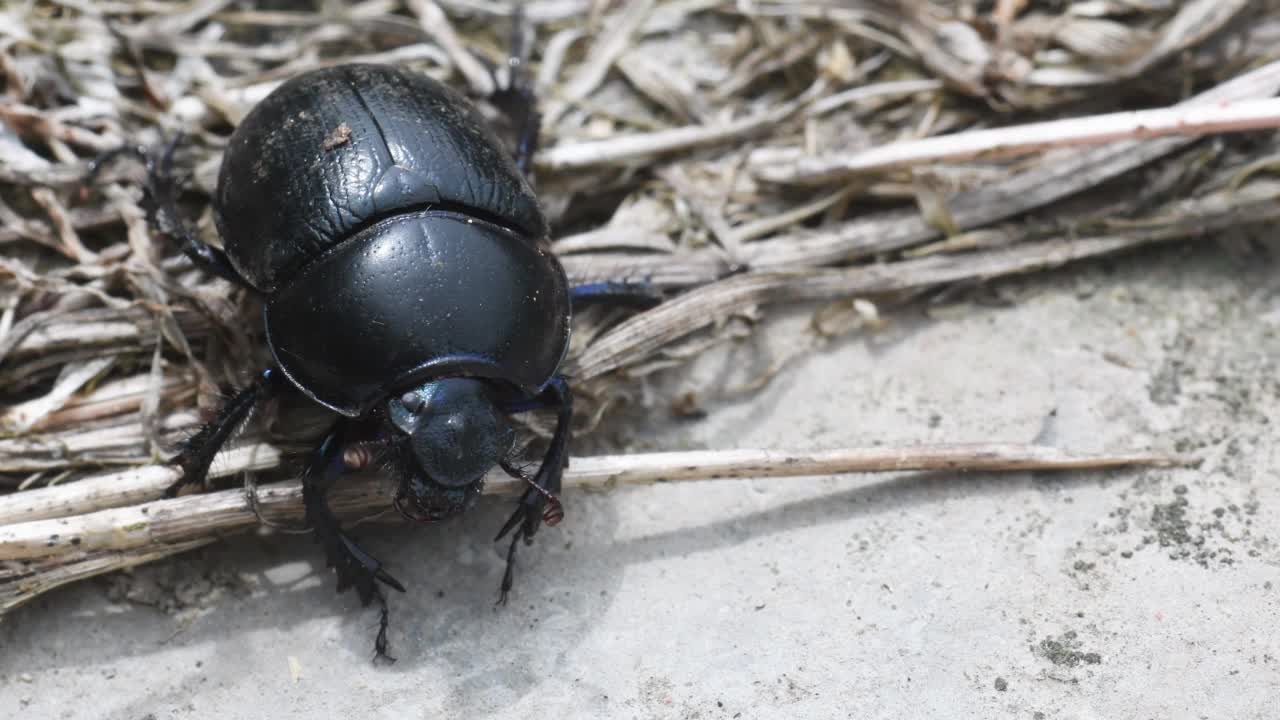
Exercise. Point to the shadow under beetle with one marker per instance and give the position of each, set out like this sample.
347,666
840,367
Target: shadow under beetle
407,284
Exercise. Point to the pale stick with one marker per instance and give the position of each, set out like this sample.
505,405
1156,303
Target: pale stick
193,517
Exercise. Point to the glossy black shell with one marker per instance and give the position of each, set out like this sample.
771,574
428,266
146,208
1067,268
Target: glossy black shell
393,236
333,150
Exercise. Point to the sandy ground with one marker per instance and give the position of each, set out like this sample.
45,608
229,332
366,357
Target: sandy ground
1124,595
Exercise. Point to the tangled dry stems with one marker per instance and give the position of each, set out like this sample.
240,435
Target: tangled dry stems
857,153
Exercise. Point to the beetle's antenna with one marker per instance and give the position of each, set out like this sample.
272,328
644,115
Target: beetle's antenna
554,512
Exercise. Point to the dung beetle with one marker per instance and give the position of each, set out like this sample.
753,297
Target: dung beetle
407,285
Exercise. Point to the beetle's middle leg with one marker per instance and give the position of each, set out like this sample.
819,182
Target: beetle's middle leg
198,451
355,567
545,485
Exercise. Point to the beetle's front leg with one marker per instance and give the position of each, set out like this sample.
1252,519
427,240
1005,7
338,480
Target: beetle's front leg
355,567
545,485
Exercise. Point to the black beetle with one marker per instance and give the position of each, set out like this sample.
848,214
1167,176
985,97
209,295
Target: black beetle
402,260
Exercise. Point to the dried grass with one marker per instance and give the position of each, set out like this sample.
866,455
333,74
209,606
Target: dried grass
740,154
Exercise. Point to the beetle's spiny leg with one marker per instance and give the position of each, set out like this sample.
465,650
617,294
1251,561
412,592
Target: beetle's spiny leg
160,201
198,451
105,158
162,191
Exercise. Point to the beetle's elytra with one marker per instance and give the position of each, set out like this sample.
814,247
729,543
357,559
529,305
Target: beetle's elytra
287,192
407,286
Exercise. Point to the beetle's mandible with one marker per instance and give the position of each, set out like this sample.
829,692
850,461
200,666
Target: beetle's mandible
407,286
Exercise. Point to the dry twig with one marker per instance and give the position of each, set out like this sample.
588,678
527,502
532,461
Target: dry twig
701,116
95,542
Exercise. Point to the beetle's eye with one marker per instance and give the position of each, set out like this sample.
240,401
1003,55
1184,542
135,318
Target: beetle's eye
412,402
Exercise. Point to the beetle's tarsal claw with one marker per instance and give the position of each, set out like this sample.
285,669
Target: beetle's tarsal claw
380,643
509,575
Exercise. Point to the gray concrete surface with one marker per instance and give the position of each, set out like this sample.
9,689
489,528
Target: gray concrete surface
1148,594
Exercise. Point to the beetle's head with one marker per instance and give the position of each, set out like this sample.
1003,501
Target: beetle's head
452,434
